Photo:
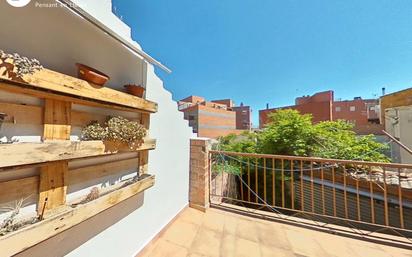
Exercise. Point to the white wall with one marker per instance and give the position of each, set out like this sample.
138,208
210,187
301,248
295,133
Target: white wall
399,124
59,38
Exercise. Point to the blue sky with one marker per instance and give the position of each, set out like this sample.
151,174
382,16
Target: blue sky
269,51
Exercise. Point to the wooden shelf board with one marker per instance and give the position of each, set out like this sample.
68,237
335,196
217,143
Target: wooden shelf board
28,188
23,239
25,154
53,85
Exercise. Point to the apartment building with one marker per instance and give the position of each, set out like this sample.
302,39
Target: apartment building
215,118
363,113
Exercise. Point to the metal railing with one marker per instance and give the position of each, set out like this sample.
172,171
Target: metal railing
375,196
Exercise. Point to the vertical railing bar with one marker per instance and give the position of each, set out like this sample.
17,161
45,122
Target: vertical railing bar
209,167
248,179
292,189
345,196
256,180
358,199
371,194
216,180
241,183
334,191
302,198
264,179
273,182
283,182
223,173
400,199
323,189
312,187
385,198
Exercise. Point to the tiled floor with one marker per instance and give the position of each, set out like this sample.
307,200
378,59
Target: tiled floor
225,234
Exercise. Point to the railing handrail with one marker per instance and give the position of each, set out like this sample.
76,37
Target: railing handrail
317,159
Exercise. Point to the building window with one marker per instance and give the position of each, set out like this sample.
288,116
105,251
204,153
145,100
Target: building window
352,108
337,109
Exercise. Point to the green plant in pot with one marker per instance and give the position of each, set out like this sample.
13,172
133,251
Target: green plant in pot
117,131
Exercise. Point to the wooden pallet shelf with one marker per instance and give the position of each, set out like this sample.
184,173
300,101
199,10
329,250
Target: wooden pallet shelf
53,85
20,240
54,178
20,154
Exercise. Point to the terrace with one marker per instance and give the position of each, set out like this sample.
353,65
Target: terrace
224,233
280,205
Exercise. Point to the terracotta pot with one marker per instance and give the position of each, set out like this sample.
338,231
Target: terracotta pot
135,90
91,75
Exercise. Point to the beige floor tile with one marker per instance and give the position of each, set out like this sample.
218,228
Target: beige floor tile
214,221
303,244
164,248
370,251
207,242
227,248
191,215
396,252
334,246
247,229
181,233
270,251
246,248
230,224
272,235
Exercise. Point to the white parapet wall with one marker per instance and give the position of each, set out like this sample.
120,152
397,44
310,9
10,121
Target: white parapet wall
59,38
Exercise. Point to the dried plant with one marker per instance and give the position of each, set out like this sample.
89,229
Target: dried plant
94,131
20,65
117,129
10,224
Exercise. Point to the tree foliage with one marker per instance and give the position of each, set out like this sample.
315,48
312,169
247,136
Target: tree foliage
291,133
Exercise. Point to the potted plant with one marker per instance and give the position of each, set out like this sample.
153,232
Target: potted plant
117,133
135,90
91,75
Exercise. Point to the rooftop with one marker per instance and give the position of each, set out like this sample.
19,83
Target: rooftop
222,233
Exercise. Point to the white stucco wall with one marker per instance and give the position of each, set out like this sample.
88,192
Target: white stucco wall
59,38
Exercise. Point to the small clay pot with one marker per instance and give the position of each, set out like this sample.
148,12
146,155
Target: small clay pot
135,90
91,75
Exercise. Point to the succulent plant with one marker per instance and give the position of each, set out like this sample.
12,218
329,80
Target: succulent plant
117,129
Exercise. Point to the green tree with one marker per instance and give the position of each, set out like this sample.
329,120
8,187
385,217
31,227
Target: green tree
287,133
291,133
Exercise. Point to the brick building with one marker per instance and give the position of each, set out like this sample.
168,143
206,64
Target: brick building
215,118
362,113
243,113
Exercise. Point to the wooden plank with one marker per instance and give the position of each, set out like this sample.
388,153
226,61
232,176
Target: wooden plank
22,114
57,119
54,83
21,154
26,188
52,186
144,155
84,174
33,115
18,241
